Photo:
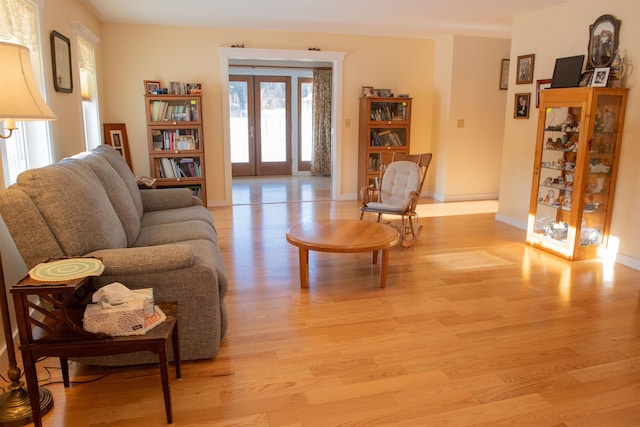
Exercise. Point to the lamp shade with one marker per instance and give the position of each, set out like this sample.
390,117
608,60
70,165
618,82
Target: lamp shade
20,98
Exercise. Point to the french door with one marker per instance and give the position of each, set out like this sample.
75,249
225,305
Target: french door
260,125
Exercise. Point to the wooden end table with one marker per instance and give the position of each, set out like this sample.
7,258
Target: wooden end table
342,236
55,331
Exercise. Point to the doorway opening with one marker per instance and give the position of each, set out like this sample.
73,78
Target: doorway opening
233,60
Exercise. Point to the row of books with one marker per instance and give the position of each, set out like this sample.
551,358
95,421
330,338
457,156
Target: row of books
177,168
374,164
384,113
385,138
175,139
162,111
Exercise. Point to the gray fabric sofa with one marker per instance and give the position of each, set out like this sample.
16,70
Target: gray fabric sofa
90,205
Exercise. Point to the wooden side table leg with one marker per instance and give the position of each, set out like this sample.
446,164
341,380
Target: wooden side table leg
32,387
304,267
175,341
383,268
164,377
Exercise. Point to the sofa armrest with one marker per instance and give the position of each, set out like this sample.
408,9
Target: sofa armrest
144,260
168,198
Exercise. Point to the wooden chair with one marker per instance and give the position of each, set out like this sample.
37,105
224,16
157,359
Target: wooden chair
401,180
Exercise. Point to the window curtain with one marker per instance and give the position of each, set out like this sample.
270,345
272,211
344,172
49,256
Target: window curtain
321,150
17,19
86,62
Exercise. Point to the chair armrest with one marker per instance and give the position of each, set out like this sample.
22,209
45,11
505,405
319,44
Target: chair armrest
369,194
414,197
167,198
144,260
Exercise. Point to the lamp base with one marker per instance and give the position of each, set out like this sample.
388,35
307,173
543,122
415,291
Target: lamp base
15,407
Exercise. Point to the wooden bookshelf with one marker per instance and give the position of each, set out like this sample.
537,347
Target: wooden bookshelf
176,142
385,127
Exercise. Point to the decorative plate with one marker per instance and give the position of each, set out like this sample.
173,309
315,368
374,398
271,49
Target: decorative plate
66,269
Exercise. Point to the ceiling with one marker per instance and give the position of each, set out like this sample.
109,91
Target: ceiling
396,18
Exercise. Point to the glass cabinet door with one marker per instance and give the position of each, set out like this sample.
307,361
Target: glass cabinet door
598,174
557,171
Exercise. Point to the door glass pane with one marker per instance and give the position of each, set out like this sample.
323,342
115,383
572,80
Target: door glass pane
239,122
273,121
306,121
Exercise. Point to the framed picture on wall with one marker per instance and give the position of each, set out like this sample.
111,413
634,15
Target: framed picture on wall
541,85
115,135
504,75
61,62
525,69
521,106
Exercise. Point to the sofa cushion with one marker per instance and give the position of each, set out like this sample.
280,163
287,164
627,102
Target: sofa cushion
116,191
122,168
28,228
162,234
76,207
166,216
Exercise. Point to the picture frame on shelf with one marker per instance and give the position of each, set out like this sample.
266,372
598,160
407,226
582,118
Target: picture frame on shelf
61,62
541,84
521,105
385,92
194,88
504,74
115,135
600,77
367,90
585,78
603,41
525,69
151,87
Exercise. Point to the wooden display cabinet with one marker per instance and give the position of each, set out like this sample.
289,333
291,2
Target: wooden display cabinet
176,142
575,167
384,128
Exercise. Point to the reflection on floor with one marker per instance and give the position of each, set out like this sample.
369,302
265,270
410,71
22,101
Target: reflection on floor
280,189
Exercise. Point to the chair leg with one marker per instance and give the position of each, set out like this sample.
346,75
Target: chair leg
414,231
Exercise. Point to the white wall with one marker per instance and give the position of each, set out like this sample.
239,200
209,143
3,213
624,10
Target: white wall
558,32
469,118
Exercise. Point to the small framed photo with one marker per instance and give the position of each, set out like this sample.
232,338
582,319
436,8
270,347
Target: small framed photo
521,106
600,77
151,87
115,135
504,75
585,78
194,88
525,69
385,92
367,90
541,85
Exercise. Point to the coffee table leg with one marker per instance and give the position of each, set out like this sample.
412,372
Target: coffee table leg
304,267
383,267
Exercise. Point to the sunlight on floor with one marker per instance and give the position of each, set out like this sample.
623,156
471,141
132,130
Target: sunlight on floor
457,208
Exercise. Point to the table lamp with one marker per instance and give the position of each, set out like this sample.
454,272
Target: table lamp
19,100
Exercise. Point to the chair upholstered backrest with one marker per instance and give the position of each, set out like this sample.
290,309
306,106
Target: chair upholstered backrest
399,180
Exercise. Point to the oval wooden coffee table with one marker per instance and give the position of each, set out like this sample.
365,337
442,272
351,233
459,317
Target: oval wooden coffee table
342,236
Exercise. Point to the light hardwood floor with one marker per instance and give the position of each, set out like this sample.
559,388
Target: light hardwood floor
473,328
